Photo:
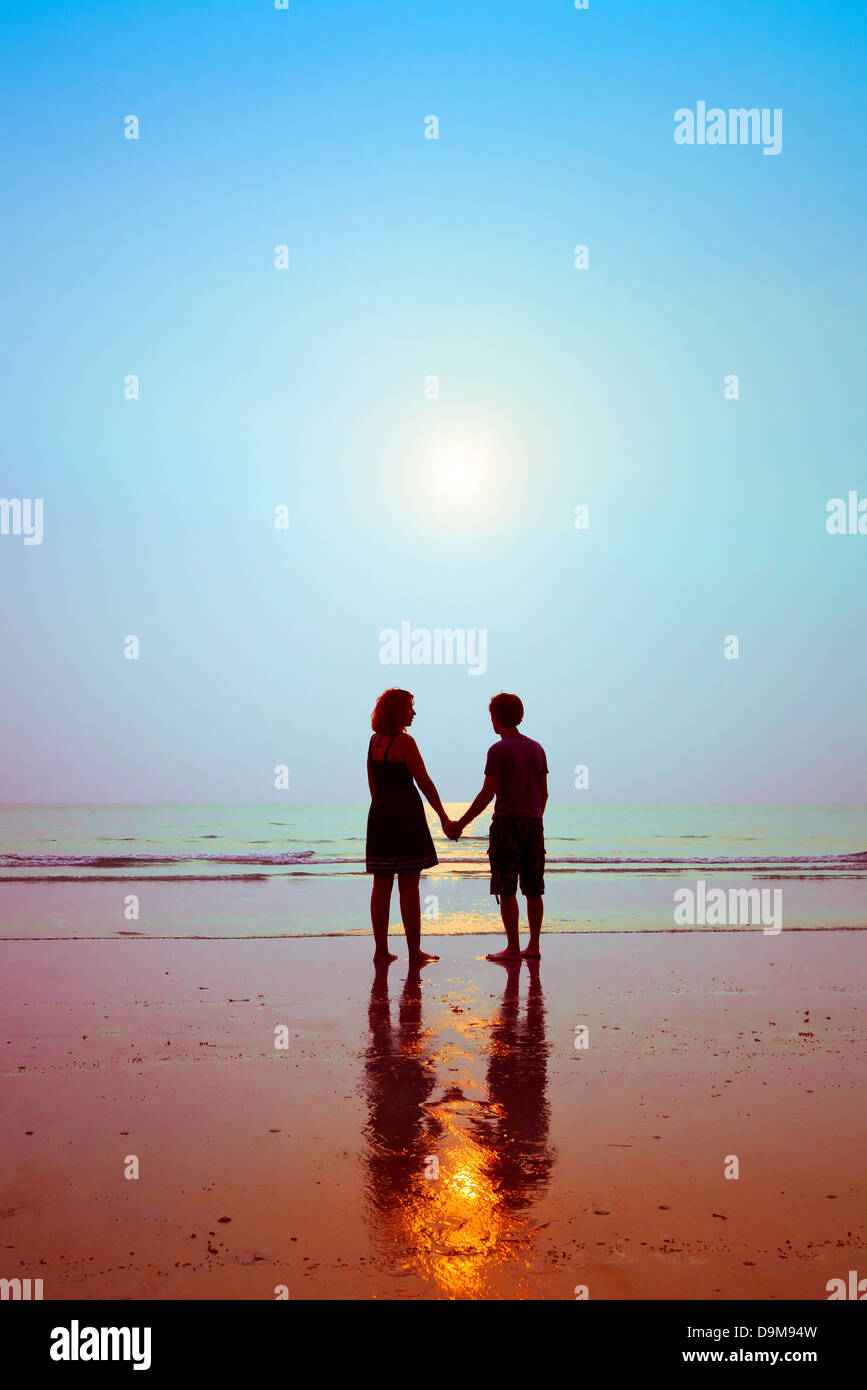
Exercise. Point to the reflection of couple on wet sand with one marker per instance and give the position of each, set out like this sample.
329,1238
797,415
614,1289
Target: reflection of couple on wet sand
464,1223
399,841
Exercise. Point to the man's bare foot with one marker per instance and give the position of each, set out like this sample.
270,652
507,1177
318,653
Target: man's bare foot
421,958
506,955
383,957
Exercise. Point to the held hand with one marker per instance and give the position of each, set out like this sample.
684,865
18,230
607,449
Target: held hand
450,828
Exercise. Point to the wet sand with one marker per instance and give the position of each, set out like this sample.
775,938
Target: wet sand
312,1166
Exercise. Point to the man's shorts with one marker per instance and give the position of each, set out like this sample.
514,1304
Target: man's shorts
516,849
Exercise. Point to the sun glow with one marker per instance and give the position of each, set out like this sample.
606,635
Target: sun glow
459,476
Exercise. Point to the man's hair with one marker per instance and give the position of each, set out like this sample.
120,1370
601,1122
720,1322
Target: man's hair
391,712
507,710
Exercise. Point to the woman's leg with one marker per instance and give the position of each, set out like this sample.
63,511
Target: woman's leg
380,902
410,913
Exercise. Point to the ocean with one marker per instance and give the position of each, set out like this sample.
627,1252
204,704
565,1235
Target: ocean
296,870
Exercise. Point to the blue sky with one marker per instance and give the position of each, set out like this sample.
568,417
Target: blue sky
411,257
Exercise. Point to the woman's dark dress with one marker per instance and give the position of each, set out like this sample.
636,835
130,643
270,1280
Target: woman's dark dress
398,839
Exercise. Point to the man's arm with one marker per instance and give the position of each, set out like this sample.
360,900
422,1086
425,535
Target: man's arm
490,788
544,791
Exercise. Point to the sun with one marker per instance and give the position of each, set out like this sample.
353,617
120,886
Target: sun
459,476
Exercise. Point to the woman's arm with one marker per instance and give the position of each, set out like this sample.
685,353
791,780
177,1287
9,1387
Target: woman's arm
370,781
413,760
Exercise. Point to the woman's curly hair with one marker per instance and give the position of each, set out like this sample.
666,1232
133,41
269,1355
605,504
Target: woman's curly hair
391,712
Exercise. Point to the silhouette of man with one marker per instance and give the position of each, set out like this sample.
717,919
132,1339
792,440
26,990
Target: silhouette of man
516,774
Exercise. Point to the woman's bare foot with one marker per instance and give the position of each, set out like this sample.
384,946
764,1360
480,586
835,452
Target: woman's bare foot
383,957
506,955
529,954
421,958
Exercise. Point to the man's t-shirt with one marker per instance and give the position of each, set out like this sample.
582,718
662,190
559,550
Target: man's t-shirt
520,764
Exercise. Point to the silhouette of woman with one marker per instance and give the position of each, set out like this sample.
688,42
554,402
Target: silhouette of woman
398,839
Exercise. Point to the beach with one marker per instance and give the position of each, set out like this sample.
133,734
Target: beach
303,1126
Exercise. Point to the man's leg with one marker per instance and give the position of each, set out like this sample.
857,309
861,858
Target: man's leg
535,910
533,885
504,885
380,901
510,915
